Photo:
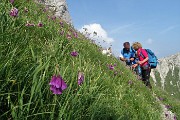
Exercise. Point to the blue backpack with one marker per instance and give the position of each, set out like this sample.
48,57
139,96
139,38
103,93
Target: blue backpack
153,61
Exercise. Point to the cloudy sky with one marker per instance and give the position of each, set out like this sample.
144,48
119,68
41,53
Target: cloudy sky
154,23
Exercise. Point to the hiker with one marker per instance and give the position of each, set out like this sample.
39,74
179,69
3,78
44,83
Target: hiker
143,62
127,54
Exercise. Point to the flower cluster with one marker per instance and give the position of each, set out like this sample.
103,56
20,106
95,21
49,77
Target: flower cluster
40,24
58,85
74,53
14,12
111,66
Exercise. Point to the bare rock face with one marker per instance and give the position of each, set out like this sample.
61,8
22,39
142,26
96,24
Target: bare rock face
167,74
59,8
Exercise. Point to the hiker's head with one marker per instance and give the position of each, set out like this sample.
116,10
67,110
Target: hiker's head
136,45
126,45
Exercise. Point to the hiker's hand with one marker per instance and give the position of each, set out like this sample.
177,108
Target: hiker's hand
135,65
127,60
131,59
140,62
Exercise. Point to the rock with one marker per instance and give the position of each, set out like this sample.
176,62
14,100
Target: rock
59,8
167,74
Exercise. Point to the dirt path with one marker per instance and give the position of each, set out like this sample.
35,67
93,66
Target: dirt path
166,113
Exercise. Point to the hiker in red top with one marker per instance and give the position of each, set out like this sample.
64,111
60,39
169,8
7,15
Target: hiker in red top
143,62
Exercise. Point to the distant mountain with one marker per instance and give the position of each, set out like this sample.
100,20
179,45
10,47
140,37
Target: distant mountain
167,74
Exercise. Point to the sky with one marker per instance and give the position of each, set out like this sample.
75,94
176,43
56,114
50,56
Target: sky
154,23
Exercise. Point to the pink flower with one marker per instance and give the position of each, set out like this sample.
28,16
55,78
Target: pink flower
74,53
160,98
62,32
168,106
61,23
75,34
175,118
53,17
45,9
40,24
11,1
111,67
57,84
166,114
14,12
69,36
80,78
49,17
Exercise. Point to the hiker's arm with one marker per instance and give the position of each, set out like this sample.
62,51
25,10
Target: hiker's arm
122,59
135,65
141,62
132,56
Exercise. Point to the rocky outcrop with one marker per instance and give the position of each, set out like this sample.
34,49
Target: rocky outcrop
59,8
167,74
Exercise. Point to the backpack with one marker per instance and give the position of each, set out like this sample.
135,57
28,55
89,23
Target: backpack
153,61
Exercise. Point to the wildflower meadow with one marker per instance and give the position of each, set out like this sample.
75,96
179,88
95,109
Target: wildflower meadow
50,71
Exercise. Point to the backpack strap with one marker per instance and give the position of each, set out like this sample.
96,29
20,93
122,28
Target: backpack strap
141,54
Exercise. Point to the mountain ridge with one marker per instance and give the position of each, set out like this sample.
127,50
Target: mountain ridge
167,73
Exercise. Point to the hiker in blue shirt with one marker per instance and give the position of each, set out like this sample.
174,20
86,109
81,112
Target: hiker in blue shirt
127,54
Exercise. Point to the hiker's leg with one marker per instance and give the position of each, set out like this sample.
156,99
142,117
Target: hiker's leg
147,77
144,76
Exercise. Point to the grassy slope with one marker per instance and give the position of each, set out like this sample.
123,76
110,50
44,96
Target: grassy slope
170,88
174,79
31,55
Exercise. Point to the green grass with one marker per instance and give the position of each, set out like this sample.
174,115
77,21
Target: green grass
158,79
171,85
173,88
169,100
30,56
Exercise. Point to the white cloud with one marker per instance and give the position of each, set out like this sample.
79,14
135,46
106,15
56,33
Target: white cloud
149,41
101,33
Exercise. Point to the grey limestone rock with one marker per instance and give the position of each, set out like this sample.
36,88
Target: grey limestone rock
59,8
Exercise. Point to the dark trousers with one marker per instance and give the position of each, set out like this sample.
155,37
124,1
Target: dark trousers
146,77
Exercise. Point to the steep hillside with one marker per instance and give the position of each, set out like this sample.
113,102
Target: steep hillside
167,75
50,71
